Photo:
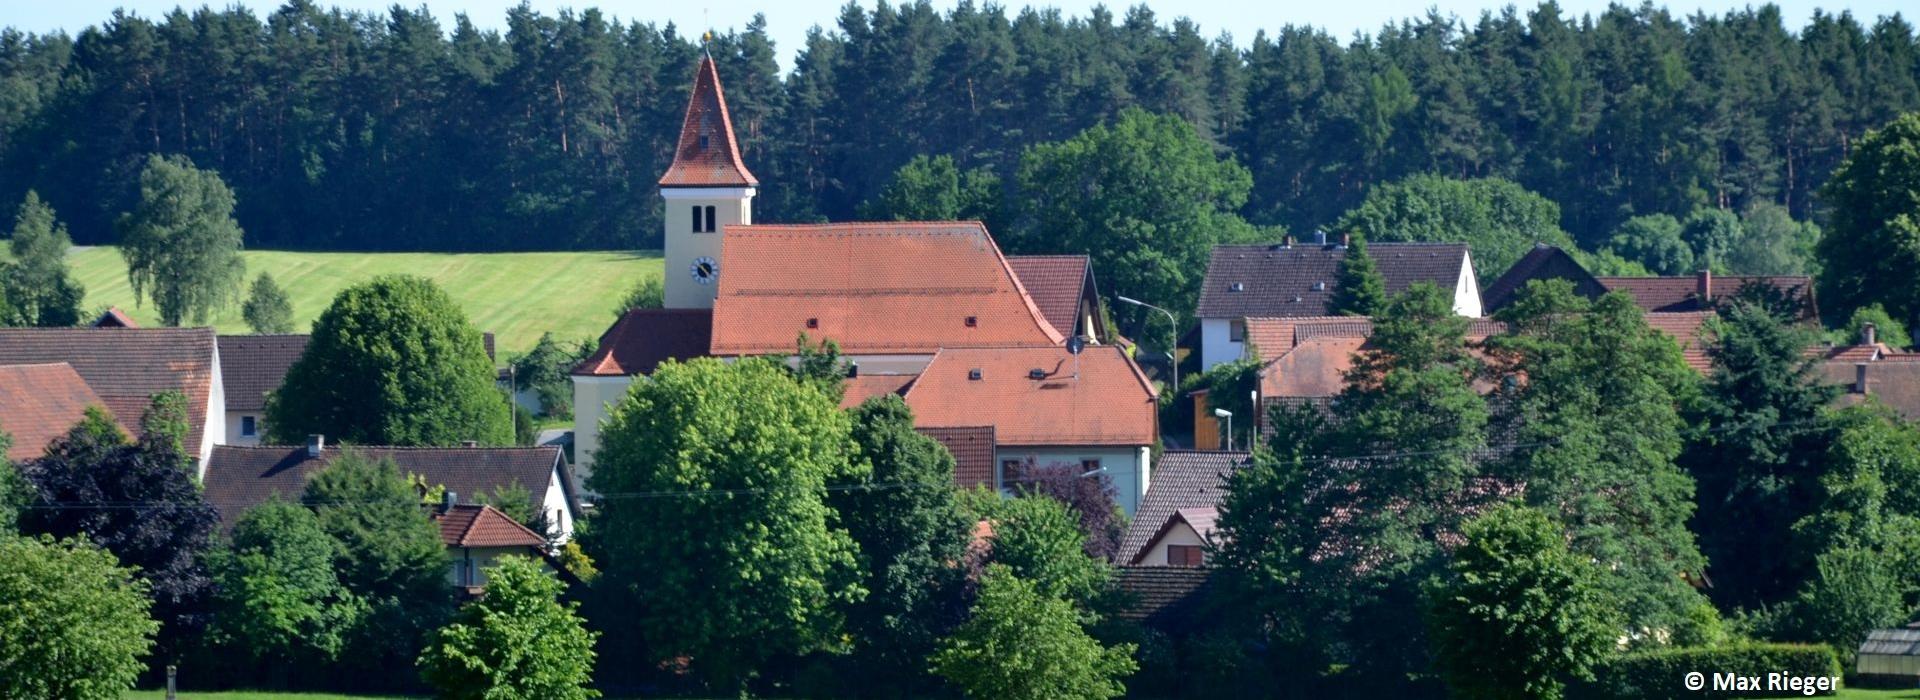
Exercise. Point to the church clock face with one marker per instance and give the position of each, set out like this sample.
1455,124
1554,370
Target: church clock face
704,270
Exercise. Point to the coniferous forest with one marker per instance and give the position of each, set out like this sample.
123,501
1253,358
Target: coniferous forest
405,131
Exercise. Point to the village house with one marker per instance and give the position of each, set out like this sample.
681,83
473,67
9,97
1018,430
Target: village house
42,403
125,368
1291,279
241,477
1174,525
901,300
477,536
253,366
1698,292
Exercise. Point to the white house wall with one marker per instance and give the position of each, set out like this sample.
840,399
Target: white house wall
1180,534
591,398
1215,346
235,437
559,516
216,418
1466,291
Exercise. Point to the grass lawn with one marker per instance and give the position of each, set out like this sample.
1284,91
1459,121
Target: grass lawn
242,695
1866,694
517,296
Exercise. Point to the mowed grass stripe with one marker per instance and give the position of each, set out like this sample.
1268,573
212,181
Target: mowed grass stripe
517,296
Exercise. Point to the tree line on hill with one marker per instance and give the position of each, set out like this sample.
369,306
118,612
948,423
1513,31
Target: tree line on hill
401,131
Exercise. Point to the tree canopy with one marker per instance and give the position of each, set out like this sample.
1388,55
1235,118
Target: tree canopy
1872,242
181,243
392,361
1023,644
280,606
37,284
267,309
1497,219
518,641
73,622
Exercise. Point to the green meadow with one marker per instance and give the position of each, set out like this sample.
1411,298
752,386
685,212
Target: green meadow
517,296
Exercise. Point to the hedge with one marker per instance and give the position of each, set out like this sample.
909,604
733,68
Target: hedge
1662,673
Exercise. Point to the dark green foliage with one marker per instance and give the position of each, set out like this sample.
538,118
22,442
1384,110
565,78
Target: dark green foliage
1853,590
518,641
281,612
37,285
749,451
1519,613
165,537
1757,453
1886,328
547,369
14,492
392,362
1594,393
1040,541
934,189
1712,234
549,133
1089,497
516,501
181,243
1873,203
267,308
1359,291
1230,386
1774,243
819,365
1654,241
1499,220
387,553
73,623
912,533
1022,644
648,293
1656,674
1144,195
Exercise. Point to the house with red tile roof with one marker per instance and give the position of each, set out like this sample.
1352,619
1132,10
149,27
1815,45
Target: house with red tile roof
1095,411
477,536
1701,291
893,296
39,403
126,367
1298,279
1175,522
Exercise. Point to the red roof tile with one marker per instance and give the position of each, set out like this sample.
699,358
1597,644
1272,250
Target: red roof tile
972,448
251,366
643,338
239,478
39,403
707,155
1683,294
874,288
1110,402
127,366
1688,329
113,317
468,525
867,386
1057,284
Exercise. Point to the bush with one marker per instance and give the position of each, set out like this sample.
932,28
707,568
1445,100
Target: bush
1660,673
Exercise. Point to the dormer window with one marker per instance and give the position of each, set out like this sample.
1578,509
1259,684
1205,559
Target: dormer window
703,142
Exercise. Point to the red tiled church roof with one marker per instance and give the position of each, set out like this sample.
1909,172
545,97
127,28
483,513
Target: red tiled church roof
873,288
644,338
1109,402
41,402
707,155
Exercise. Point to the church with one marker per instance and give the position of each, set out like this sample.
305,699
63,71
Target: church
1004,359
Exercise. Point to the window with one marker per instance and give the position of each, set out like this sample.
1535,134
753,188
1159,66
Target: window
247,427
1237,330
1185,555
698,220
1089,466
703,142
711,226
1010,472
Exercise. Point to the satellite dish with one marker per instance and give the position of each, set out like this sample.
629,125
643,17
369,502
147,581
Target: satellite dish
1075,345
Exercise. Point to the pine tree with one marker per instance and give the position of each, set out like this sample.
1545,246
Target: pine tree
1359,291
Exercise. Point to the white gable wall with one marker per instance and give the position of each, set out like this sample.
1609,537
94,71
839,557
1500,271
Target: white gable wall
592,397
1216,344
559,516
1466,291
1180,534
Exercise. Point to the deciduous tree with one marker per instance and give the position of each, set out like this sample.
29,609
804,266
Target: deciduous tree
516,642
181,243
37,285
267,309
73,622
280,606
1872,239
1497,219
1022,644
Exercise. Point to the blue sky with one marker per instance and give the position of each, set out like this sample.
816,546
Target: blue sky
788,20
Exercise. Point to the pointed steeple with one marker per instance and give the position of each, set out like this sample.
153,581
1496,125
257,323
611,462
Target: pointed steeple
707,155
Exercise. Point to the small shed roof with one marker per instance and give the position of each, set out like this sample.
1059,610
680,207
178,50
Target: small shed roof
1904,641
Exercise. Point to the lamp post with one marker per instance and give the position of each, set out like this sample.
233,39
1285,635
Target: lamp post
1224,413
1173,341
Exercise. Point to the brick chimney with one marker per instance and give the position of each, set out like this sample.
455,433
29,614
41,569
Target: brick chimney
1860,385
1868,334
1705,287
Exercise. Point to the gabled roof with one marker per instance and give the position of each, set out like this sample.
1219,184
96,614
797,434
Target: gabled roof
707,155
1299,280
1166,598
1683,294
1688,329
1181,479
857,390
238,478
1541,263
644,338
113,317
127,366
253,365
972,448
1057,283
469,525
1110,402
874,288
40,402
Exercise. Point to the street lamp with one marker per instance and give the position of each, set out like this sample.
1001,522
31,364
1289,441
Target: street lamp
1224,413
1173,338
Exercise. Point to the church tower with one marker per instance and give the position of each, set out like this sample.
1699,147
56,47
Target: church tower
706,189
